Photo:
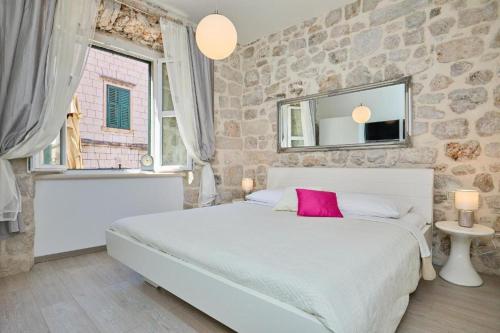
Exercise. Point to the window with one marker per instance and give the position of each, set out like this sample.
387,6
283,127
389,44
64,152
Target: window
119,118
293,133
53,157
172,151
117,107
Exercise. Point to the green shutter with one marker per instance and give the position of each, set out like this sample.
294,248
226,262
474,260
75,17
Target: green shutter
117,107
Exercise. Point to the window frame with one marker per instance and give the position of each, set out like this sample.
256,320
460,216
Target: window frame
290,138
160,114
155,116
35,162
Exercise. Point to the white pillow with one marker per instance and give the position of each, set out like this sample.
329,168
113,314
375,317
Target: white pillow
289,200
266,197
371,205
350,204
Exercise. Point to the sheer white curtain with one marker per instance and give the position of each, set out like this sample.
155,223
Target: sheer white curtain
74,25
308,123
176,49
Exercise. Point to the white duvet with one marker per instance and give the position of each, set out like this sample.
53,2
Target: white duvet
353,275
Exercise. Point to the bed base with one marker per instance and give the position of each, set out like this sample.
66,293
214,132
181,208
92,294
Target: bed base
241,309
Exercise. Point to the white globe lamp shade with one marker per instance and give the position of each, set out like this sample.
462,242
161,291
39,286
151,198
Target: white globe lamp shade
361,114
216,36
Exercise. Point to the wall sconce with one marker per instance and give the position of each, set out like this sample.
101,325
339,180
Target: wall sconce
466,201
361,114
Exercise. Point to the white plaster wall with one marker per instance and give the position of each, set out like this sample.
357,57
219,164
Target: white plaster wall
338,131
73,214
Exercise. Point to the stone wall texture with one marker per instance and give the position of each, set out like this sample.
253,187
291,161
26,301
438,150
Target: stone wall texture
121,20
16,253
450,48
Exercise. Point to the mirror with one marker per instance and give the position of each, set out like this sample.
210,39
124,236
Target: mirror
371,116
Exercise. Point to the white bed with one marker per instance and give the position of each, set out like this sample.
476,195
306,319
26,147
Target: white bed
256,270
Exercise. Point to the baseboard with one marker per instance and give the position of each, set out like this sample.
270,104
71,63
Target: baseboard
68,254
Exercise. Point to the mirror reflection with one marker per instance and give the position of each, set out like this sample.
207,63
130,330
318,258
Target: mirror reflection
354,118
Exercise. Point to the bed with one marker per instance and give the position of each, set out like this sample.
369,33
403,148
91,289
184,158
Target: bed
256,270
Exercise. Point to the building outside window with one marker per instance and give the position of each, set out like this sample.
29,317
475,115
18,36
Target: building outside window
117,116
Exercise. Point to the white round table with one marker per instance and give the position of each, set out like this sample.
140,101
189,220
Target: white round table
458,269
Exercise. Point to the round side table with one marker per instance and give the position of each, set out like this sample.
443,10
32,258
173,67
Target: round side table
458,269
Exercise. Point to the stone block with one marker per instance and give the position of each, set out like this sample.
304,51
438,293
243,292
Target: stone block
450,129
366,43
391,12
467,99
232,175
442,26
440,82
484,182
358,76
471,16
492,149
338,56
333,17
479,77
424,155
460,67
458,49
489,124
469,150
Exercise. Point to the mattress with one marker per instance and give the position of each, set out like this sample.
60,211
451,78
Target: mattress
352,274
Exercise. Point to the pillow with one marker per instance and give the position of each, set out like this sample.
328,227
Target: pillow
288,201
351,204
266,197
371,205
317,203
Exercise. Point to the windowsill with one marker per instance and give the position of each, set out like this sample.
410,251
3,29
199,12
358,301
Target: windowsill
123,131
106,174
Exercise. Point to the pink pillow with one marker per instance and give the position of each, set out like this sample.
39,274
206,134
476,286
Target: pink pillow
317,203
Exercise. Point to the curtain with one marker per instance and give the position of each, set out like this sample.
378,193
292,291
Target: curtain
308,119
44,46
202,80
286,125
192,102
73,139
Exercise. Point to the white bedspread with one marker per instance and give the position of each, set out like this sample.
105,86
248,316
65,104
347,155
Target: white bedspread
353,275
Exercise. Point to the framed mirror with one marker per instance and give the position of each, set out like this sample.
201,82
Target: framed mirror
372,116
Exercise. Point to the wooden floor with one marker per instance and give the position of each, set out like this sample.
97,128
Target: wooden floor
94,293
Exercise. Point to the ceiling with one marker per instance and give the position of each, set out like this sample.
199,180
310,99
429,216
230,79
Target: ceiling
253,18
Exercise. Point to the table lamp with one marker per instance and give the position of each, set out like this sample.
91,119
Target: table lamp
466,201
247,185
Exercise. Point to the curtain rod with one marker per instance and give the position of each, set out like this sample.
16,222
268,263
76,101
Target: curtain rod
173,19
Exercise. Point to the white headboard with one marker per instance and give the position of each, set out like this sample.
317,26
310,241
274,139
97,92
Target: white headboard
409,185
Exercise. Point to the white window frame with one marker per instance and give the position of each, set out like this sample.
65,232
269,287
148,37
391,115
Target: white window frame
158,135
290,136
36,161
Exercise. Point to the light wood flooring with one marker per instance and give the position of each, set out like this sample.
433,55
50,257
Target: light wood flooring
95,293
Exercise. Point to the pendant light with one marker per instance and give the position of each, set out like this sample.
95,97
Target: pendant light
216,36
361,114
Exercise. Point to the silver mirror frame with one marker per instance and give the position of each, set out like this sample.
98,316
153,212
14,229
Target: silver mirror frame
373,145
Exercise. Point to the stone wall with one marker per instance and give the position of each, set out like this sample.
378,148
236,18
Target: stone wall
450,48
16,252
121,20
